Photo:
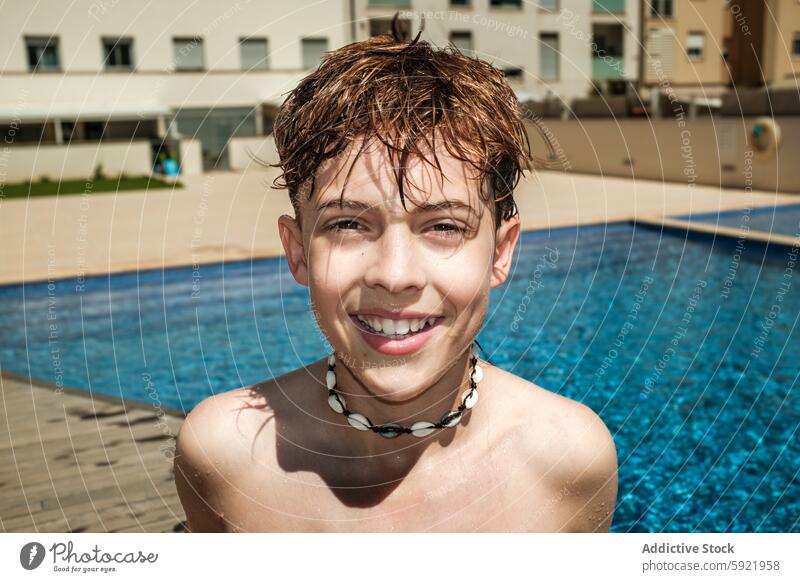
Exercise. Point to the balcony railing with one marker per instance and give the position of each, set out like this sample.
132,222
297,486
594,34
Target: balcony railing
607,68
606,6
400,3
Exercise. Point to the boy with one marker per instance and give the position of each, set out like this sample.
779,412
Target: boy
400,161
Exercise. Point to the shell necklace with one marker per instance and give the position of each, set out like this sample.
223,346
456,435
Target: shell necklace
419,429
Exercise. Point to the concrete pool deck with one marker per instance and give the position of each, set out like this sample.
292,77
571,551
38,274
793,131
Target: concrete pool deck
80,462
227,216
73,462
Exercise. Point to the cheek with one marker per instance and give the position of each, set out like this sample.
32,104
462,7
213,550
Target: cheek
465,278
331,276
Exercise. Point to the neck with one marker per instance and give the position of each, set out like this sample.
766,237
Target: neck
443,396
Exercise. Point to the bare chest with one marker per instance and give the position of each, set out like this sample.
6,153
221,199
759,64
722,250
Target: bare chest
489,492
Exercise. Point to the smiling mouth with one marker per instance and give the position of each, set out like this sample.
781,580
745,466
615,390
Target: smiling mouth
395,329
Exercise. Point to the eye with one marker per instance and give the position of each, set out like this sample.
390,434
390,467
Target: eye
449,229
341,225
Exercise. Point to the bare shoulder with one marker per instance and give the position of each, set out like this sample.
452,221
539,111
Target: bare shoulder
215,447
200,456
569,447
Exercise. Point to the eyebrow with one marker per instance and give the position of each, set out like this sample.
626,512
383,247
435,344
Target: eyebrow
417,208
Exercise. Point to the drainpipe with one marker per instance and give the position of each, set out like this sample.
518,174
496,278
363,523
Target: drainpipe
642,46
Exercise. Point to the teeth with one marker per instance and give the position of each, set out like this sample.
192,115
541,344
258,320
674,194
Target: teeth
397,327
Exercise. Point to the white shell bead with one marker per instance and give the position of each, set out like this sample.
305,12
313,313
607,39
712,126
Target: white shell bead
477,375
422,428
331,359
358,421
469,398
330,379
336,402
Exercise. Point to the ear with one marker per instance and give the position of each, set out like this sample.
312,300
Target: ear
505,243
292,239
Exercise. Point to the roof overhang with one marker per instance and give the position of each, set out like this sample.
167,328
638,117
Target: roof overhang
82,111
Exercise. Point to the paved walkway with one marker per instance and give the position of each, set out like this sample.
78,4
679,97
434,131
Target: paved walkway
72,463
75,464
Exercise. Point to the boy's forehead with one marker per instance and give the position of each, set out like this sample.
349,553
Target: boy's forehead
373,179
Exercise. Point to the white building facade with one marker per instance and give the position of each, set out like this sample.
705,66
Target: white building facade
104,71
117,84
558,48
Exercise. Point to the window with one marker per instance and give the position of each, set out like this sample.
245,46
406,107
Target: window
254,54
548,55
118,53
42,53
459,2
380,26
188,54
462,40
661,8
796,45
506,3
550,5
313,50
695,43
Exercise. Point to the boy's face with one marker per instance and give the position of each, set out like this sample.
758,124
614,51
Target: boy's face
372,261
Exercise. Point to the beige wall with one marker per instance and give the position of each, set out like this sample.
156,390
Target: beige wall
709,16
782,20
77,161
708,150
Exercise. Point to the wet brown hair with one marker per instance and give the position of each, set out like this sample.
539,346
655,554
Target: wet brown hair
399,93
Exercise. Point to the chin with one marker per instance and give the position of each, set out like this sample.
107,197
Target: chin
394,385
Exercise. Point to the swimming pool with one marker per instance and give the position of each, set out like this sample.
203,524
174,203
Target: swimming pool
783,219
684,349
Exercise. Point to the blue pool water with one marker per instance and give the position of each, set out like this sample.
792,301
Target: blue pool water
783,219
688,352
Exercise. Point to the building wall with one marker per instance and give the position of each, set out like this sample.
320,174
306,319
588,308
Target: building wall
77,161
712,17
706,150
81,89
81,24
783,19
772,29
83,84
509,36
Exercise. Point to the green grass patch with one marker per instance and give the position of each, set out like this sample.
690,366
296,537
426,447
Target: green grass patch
47,188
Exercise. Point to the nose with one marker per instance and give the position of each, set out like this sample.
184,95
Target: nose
394,262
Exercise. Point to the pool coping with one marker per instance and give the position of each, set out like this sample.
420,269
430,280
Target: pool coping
116,400
706,230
